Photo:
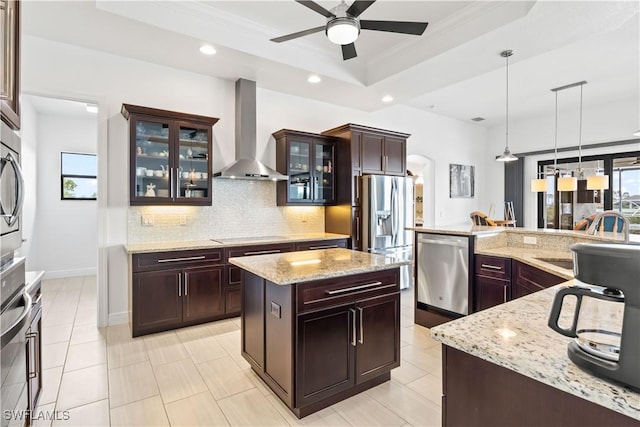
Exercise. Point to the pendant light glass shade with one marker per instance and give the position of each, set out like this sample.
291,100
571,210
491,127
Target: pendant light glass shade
539,185
598,182
506,156
567,183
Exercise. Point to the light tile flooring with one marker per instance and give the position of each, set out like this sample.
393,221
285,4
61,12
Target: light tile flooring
197,377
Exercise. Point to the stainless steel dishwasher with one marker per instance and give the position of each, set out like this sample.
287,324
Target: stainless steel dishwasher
443,272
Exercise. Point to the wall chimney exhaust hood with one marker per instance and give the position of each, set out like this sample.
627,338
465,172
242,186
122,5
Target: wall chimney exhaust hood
246,166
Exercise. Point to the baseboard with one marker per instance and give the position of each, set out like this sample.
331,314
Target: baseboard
60,274
118,318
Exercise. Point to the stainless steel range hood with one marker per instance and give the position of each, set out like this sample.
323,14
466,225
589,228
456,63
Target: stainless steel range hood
246,166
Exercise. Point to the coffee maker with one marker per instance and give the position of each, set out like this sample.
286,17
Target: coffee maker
606,320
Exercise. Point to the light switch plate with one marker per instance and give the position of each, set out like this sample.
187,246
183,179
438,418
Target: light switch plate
275,309
147,220
530,240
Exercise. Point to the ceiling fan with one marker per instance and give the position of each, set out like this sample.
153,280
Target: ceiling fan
343,25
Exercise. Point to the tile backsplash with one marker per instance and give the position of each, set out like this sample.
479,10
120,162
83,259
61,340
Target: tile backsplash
240,208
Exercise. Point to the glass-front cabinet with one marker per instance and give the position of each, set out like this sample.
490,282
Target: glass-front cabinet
170,157
308,160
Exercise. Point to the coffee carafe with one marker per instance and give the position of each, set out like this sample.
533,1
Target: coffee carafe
606,319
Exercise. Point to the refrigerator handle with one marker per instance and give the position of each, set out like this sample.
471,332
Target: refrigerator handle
394,212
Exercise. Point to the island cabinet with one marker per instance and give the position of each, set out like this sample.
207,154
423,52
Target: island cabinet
318,342
498,280
175,289
34,343
361,150
170,156
10,62
309,161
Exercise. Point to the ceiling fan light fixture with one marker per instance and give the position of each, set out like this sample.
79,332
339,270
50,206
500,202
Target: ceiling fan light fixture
343,30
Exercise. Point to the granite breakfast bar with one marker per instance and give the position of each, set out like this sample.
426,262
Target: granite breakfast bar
320,326
505,366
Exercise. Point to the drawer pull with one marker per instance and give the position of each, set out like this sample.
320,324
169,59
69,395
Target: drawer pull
353,327
272,251
190,258
491,267
323,247
353,288
361,340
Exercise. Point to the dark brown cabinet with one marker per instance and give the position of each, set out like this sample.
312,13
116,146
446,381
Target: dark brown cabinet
361,150
316,343
174,289
498,280
34,350
170,156
10,62
309,161
492,281
527,279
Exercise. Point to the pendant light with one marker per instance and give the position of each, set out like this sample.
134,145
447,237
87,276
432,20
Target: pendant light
598,182
507,156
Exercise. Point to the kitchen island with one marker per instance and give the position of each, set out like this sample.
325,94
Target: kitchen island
505,366
320,326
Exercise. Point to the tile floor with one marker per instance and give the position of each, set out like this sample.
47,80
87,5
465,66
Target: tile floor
197,377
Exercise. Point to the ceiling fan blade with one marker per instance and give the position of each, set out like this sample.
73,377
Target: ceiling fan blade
298,34
316,8
349,51
415,28
357,7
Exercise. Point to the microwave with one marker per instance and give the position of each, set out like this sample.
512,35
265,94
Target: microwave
11,194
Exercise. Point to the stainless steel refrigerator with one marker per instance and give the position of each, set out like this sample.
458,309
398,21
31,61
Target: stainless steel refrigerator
387,208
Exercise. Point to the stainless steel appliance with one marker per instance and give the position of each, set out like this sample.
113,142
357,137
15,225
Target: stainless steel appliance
387,209
11,193
14,321
443,272
606,319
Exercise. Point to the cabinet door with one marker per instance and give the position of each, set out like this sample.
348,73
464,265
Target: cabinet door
372,153
34,359
527,279
378,336
10,62
395,156
325,351
156,301
490,291
232,300
203,293
299,172
192,174
356,232
323,164
151,166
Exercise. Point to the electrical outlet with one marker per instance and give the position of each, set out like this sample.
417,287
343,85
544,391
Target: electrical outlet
147,220
530,240
275,310
183,220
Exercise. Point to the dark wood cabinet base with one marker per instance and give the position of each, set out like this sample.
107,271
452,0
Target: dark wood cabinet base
480,393
430,318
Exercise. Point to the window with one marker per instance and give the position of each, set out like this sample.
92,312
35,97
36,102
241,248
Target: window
78,178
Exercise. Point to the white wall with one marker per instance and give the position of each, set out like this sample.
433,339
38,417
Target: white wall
28,161
66,230
601,123
74,72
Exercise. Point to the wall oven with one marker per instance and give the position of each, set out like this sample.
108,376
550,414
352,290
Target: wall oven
15,312
11,193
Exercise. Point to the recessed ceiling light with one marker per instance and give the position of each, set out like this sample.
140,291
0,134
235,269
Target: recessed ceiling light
207,49
91,108
387,98
314,79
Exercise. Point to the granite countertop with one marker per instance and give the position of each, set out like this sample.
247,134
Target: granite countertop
534,350
296,267
458,229
219,242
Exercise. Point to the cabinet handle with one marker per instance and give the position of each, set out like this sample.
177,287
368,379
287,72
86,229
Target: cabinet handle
170,181
180,285
353,288
361,340
186,284
353,327
272,251
190,258
323,247
491,267
177,193
504,293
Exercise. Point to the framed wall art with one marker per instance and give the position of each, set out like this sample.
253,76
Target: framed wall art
461,181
